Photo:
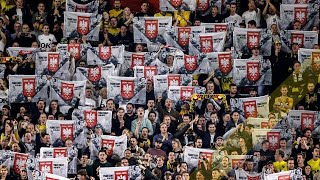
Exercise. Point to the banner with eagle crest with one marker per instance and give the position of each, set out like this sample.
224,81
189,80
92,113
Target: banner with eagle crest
125,90
114,144
23,53
272,135
150,29
24,86
92,118
78,24
76,51
180,94
96,75
190,64
57,166
207,42
303,119
60,130
306,14
308,58
105,55
252,72
164,82
179,37
90,6
253,107
67,93
54,64
305,39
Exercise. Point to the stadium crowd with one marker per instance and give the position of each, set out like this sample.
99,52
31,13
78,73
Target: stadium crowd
159,131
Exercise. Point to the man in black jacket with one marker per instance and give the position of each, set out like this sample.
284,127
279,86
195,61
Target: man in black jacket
19,14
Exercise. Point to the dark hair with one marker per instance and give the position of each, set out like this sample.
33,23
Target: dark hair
252,22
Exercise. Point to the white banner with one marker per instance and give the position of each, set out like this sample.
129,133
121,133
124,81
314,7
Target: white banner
105,55
23,86
132,59
174,5
308,57
49,176
243,175
57,166
146,72
305,39
215,27
279,176
114,144
22,52
207,42
90,6
60,129
308,15
92,119
66,92
163,82
259,123
252,72
180,93
193,156
126,90
53,152
303,119
77,51
77,24
55,64
150,29
220,62
237,161
190,64
272,135
251,107
2,69
114,173
96,75
179,37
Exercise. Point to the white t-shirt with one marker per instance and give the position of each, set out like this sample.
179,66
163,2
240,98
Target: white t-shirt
253,15
272,19
46,41
233,21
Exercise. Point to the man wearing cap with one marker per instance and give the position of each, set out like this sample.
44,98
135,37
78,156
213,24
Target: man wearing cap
157,151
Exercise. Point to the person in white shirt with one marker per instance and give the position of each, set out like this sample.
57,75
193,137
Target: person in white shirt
253,13
272,17
46,39
233,19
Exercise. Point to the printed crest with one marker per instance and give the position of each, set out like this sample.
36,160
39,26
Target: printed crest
53,62
150,71
105,52
174,80
250,109
66,131
60,152
67,91
206,44
307,120
301,14
20,161
273,138
46,166
225,63
151,27
184,36
83,25
253,39
186,93
29,87
127,89
121,175
253,71
74,50
109,145
297,38
91,118
137,60
94,74
190,62
220,27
